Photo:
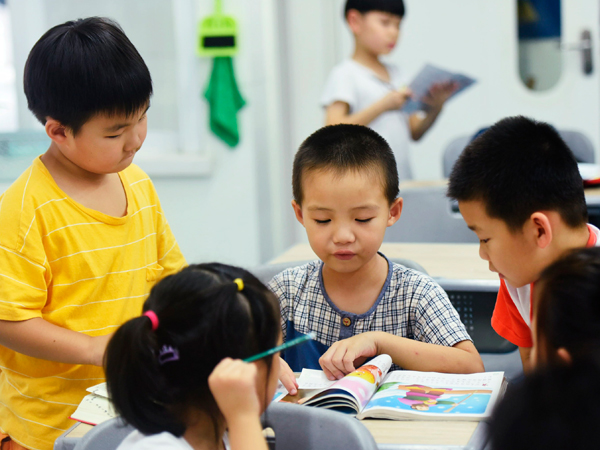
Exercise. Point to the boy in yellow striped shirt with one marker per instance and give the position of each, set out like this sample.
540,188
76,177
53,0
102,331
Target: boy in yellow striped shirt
83,236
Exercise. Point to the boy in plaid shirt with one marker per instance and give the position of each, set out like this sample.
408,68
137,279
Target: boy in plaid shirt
360,304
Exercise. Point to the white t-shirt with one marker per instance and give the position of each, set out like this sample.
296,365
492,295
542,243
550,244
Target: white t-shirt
359,87
164,440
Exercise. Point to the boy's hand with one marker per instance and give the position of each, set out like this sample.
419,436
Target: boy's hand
233,385
396,99
287,377
344,356
439,93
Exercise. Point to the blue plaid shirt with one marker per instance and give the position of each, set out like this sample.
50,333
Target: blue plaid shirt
410,305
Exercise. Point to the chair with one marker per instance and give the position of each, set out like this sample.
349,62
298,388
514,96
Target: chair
579,143
105,436
474,300
308,428
266,272
427,216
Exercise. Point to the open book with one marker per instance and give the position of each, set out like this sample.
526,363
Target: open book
371,392
427,77
95,408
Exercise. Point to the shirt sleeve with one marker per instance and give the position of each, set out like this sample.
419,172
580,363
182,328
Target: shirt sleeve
437,322
23,286
507,321
339,88
277,286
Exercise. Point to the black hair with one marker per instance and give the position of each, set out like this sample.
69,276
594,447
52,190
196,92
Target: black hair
550,409
204,317
568,306
517,167
82,68
344,148
395,7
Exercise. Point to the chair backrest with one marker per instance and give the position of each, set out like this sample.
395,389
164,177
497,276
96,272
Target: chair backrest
105,436
309,428
452,152
579,143
267,271
474,300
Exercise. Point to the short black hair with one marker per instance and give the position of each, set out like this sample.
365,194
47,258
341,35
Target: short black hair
395,7
550,409
156,374
517,167
567,308
82,68
342,148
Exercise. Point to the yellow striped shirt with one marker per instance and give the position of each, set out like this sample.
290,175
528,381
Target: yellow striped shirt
76,268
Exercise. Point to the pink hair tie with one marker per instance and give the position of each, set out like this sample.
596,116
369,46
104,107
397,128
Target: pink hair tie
153,318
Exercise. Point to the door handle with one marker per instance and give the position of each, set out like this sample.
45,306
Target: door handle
585,47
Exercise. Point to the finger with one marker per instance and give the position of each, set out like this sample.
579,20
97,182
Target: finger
338,363
289,382
349,362
331,371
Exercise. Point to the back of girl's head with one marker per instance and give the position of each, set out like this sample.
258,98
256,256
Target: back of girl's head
551,409
155,377
82,68
568,308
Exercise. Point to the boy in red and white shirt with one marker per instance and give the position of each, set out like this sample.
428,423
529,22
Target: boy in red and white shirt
519,189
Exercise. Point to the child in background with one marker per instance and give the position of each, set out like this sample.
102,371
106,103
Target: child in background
365,91
519,189
359,303
83,237
566,323
170,372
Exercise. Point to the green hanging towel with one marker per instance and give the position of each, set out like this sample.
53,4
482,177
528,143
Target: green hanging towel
225,101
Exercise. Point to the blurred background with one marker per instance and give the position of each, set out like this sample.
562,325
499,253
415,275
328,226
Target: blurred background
536,58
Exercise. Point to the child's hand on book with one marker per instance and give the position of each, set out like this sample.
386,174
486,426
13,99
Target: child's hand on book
287,377
344,356
233,385
439,93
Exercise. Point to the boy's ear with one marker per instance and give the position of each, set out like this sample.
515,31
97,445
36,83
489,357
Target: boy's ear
542,229
354,19
298,211
395,211
56,130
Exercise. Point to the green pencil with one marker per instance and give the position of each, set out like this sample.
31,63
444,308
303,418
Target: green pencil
279,348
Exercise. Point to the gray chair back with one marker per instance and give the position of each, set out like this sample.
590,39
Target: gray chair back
105,436
452,152
308,428
474,300
579,143
266,272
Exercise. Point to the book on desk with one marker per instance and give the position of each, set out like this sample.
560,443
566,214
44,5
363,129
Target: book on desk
372,391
